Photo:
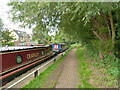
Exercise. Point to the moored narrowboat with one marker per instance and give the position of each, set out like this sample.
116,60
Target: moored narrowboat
59,47
17,60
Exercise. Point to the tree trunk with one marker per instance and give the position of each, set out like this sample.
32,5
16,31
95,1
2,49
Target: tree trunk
102,34
106,22
112,27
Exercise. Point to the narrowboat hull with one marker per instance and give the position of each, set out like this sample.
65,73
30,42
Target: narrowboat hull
17,62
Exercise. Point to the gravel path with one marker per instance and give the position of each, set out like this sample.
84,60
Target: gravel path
69,77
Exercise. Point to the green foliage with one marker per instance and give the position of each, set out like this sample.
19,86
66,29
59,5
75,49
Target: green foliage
10,43
75,19
109,62
7,37
112,61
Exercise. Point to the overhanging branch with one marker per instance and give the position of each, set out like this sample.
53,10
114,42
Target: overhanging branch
99,37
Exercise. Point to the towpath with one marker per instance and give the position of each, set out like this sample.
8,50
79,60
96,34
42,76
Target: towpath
66,76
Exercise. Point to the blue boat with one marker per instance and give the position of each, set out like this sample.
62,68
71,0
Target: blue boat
59,47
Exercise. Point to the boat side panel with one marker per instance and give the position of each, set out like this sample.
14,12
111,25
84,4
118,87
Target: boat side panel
10,60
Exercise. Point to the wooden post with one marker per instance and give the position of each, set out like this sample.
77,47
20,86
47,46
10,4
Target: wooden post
55,60
35,73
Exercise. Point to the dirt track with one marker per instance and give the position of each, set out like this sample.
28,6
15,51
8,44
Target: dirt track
66,76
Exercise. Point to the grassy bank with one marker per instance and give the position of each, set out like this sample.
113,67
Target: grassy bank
40,81
84,71
92,74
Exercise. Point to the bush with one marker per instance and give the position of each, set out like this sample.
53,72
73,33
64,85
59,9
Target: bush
109,62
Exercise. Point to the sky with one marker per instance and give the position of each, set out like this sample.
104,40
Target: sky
5,18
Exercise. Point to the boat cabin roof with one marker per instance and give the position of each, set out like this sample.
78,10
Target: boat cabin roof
18,47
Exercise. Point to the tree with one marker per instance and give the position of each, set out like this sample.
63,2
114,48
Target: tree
99,20
94,24
7,38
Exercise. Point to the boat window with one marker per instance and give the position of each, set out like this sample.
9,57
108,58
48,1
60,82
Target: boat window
18,59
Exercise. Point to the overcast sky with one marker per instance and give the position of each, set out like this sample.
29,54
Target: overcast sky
6,21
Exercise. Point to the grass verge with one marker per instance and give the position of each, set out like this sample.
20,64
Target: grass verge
40,81
84,71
